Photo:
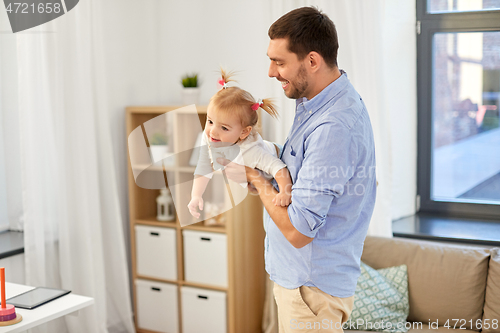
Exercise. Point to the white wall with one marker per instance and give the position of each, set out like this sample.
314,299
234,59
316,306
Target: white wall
200,36
401,97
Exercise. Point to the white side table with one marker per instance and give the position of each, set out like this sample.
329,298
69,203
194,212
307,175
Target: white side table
44,313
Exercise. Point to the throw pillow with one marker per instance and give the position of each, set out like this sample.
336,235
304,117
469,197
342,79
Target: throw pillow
381,300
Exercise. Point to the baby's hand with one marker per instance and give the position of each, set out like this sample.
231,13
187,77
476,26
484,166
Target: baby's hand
196,202
282,199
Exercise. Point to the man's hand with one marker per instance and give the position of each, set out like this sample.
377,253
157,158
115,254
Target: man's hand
267,193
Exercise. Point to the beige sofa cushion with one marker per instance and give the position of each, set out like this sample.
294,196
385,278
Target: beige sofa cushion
492,298
444,281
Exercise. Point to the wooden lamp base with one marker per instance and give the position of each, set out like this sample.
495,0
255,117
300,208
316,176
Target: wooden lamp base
13,321
8,315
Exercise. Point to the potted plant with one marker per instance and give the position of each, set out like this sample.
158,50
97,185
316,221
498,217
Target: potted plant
158,145
190,91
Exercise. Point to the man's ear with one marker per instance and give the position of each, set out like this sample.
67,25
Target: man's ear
245,132
314,61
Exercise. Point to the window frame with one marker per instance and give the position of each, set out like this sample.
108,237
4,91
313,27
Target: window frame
427,25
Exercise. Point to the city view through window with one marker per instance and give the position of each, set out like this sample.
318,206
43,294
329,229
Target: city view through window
446,6
465,113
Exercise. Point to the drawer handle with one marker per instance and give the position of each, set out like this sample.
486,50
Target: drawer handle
154,233
205,239
202,297
155,289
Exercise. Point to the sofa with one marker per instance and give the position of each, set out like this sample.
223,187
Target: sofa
457,286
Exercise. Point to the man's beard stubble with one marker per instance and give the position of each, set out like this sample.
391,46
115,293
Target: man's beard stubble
299,86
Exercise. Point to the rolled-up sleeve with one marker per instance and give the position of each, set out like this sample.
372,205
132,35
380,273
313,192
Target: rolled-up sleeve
328,164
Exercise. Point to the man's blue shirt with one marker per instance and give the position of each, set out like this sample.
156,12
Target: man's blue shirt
331,158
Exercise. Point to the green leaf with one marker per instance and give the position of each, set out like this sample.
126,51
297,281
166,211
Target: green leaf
158,139
190,81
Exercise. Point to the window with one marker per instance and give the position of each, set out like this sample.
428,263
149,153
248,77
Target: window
458,73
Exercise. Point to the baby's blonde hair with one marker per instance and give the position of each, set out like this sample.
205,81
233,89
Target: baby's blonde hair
234,100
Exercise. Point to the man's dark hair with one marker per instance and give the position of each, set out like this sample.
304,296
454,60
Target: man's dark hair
307,29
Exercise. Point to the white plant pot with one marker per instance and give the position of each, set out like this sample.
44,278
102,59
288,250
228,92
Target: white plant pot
190,96
161,152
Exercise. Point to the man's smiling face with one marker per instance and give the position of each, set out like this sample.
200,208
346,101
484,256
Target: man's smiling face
287,68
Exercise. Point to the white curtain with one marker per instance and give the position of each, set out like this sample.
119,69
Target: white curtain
10,164
74,237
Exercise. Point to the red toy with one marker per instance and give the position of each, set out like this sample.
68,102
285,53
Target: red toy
8,315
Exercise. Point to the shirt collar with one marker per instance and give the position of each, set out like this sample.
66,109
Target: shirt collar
325,95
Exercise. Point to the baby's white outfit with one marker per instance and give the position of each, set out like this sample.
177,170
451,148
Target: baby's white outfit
253,152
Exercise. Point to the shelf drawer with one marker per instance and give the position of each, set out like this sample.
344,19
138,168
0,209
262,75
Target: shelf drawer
156,254
203,310
157,306
205,257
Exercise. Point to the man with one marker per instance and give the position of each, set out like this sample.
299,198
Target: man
313,246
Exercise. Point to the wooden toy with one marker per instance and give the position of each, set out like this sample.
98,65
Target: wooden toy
8,315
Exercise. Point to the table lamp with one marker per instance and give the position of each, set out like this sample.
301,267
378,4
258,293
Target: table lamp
8,315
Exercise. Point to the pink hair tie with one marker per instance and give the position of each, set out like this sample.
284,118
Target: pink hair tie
257,105
221,83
